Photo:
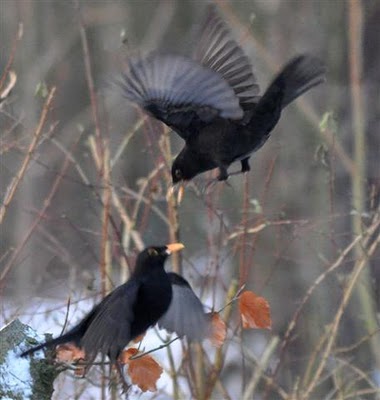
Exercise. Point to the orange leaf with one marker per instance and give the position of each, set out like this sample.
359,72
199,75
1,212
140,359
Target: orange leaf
254,311
68,352
144,371
127,354
218,330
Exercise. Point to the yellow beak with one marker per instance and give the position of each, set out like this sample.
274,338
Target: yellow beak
181,191
173,247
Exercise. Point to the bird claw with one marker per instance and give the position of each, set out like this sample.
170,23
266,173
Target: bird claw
213,182
125,386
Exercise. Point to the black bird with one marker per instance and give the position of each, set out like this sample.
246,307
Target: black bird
133,307
212,99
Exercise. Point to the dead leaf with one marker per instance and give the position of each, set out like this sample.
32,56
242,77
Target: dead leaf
68,353
127,354
254,311
218,330
144,371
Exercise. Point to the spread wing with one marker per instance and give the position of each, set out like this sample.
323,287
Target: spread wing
218,51
179,91
185,315
110,328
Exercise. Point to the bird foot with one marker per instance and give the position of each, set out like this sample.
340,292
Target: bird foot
125,386
212,183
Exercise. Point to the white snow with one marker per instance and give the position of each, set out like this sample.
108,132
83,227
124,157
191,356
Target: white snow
15,371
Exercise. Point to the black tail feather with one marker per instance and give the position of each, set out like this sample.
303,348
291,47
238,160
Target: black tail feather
298,76
68,337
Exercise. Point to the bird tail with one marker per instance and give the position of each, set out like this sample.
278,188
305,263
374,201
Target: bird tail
68,337
298,76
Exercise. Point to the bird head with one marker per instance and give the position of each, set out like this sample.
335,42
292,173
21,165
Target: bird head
155,256
185,167
179,172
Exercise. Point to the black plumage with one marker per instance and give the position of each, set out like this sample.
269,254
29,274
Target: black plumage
130,309
212,99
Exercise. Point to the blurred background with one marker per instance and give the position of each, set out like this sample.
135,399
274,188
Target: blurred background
83,187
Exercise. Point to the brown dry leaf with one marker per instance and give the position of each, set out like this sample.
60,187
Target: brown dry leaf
69,353
254,311
218,330
127,354
144,371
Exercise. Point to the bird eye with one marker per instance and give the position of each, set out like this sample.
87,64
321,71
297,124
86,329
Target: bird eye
178,173
152,252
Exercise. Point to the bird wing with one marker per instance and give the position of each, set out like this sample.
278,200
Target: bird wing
110,328
217,50
178,91
185,315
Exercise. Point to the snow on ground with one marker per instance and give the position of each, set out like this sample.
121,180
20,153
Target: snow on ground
15,371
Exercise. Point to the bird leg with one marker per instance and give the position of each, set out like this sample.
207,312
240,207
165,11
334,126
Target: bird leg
223,174
124,384
245,165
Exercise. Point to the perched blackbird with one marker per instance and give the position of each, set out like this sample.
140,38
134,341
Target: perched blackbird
212,99
133,307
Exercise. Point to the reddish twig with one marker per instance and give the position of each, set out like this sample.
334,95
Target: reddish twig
28,157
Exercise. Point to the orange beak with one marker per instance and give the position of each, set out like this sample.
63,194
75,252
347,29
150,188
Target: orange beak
173,247
181,191
170,192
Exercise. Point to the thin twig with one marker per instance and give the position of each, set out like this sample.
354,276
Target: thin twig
354,346
163,346
316,283
360,264
140,122
262,226
259,370
39,217
363,291
219,356
29,155
105,257
16,40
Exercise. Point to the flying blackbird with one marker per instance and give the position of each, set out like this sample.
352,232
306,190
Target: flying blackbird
212,99
133,307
